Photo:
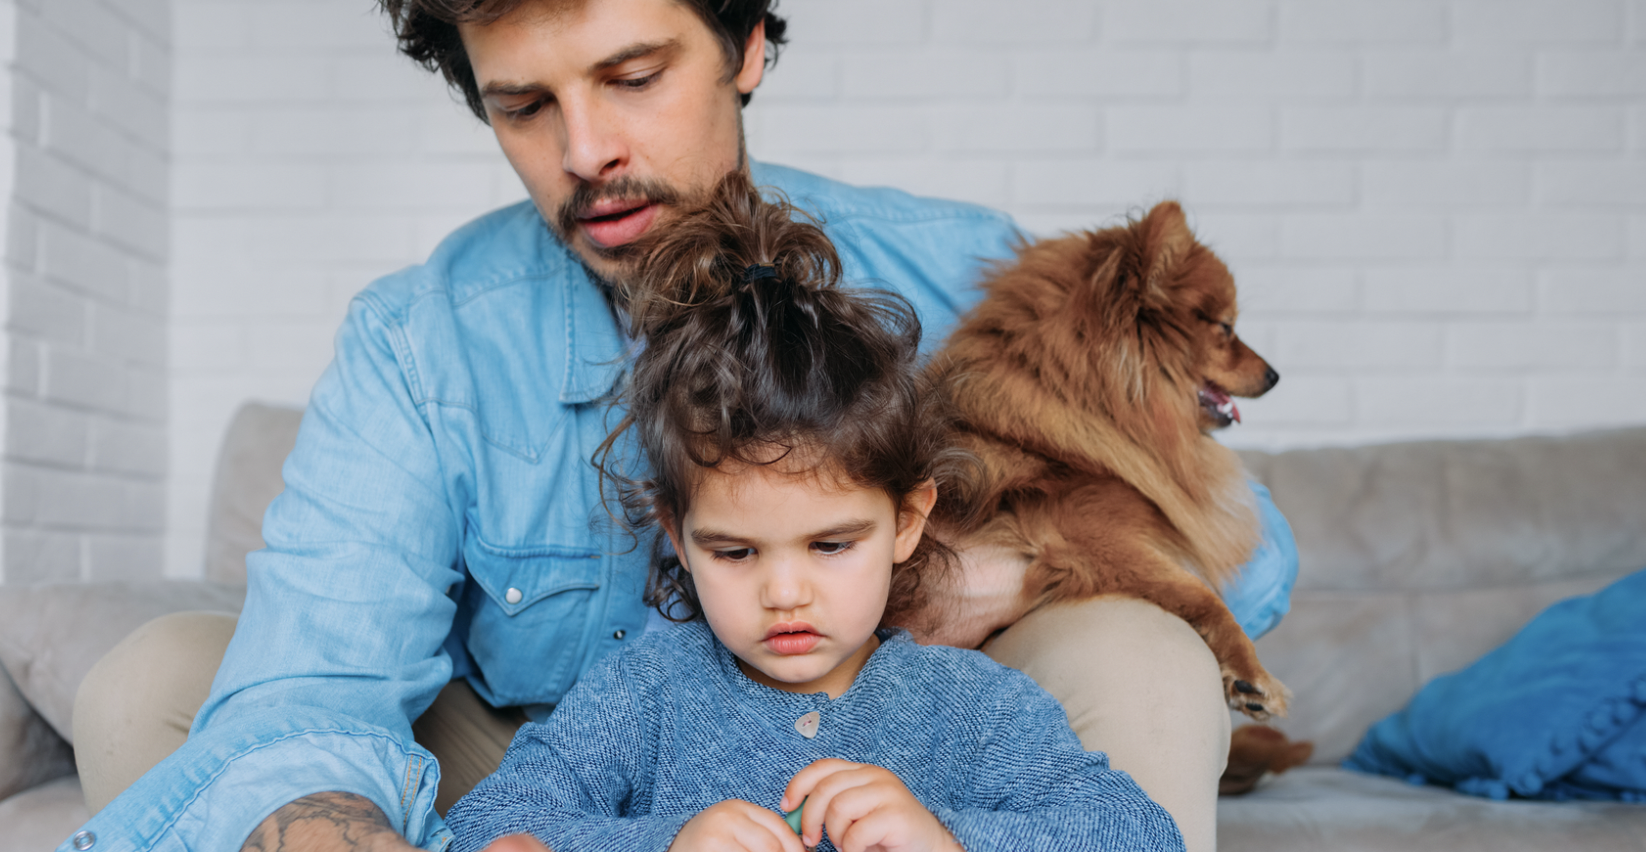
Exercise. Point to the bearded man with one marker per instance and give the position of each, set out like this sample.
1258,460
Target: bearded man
432,578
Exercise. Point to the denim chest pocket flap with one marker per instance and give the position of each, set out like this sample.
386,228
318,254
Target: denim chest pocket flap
517,578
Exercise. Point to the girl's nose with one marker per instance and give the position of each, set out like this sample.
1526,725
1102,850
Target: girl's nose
785,586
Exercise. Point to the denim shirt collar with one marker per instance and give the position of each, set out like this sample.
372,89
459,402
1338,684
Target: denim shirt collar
595,347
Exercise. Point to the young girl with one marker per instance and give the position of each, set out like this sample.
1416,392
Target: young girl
792,459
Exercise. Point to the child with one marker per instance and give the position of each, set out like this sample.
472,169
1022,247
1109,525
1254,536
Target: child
792,461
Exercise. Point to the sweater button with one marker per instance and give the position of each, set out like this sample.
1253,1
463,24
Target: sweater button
807,724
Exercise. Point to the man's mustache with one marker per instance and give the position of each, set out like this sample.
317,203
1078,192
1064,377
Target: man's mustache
627,188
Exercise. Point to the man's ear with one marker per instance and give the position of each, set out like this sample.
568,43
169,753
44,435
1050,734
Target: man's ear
911,519
754,61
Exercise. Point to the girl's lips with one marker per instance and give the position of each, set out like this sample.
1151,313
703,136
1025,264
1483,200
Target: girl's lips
619,228
789,644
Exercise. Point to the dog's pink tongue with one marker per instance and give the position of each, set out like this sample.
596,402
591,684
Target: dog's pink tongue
1234,411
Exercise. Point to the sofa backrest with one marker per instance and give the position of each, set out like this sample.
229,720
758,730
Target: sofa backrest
1417,558
245,482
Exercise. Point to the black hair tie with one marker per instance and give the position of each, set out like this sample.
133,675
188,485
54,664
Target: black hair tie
759,272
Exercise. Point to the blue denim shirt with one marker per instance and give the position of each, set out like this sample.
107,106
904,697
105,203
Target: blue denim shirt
441,518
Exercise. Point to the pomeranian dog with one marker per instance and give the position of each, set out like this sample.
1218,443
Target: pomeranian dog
1087,383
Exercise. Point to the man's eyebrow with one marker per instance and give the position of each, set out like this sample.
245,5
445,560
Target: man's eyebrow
511,89
636,51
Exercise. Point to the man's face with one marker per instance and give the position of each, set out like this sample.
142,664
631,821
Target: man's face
613,112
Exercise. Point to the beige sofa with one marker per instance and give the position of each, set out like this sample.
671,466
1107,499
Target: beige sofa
1417,558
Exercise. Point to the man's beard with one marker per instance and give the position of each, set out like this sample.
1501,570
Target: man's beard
627,188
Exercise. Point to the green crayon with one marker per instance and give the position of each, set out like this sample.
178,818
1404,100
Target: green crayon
793,817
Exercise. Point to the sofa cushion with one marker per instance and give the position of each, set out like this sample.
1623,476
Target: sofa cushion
245,482
43,817
50,636
30,751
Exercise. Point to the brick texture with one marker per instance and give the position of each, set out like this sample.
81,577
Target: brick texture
1436,208
87,245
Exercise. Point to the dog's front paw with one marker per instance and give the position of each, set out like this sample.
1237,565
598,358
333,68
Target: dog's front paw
1259,695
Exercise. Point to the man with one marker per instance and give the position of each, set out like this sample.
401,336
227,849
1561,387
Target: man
433,557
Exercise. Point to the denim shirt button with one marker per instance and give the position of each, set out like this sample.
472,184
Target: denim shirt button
84,840
619,634
513,596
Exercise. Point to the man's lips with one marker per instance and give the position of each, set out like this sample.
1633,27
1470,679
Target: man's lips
613,223
789,638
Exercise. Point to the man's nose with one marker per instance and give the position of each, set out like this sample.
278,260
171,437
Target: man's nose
595,149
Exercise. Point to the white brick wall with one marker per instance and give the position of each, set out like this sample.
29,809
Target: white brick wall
87,245
1436,208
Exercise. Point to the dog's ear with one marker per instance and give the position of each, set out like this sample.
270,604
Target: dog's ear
1164,241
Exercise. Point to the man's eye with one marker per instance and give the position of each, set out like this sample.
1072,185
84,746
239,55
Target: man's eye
526,111
637,83
736,555
830,548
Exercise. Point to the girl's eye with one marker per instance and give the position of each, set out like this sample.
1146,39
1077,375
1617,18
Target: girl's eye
737,555
830,548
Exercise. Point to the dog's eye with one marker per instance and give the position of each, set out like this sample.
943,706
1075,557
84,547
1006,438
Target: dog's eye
1228,330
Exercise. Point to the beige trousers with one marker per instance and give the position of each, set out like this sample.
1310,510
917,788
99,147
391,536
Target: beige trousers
1137,683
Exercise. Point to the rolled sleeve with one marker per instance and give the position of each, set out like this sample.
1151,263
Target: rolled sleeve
1262,594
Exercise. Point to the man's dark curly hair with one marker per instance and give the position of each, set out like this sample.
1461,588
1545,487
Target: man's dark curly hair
427,32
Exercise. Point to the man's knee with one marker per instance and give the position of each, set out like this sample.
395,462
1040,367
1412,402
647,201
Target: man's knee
137,703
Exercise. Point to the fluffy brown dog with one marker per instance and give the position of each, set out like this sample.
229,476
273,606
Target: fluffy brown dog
1086,382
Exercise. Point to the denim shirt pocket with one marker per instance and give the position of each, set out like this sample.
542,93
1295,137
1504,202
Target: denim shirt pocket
530,607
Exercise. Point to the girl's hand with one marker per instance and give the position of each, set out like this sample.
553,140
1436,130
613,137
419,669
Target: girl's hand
517,843
736,826
865,808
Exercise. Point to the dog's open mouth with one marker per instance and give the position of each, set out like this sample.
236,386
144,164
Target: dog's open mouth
1219,406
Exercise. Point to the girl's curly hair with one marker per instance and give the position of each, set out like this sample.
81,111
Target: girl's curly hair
783,363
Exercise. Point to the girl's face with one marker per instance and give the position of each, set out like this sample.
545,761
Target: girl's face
792,569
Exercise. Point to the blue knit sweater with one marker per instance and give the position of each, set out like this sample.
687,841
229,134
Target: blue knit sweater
669,726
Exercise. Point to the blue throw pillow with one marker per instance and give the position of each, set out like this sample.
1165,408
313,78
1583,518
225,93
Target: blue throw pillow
1557,712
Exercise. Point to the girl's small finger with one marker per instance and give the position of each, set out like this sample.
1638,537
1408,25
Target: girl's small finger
800,786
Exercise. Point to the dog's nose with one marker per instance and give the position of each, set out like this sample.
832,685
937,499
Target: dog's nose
1272,377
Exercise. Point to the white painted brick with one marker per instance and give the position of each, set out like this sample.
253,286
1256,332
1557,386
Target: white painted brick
1153,129
212,292
1540,21
1533,345
46,434
253,79
1637,236
210,26
52,186
48,58
46,312
308,130
253,186
1637,21
1534,236
71,133
405,184
102,36
128,335
1237,236
1587,401
1603,292
140,226
1637,128
1177,22
25,103
1426,75
1540,128
151,65
1592,184
1452,290
82,263
134,109
385,77
1449,182
1350,344
206,347
1106,73
932,75
129,448
1425,401
1094,182
38,556
77,379
22,237
1231,75
153,17
1364,128
1365,236
150,288
1015,128
23,366
127,557
1588,74
148,174
333,237
215,132
1634,345
1295,290
1289,183
1299,400
453,130
844,129
1031,22
980,181
150,394
1363,21
291,346
319,24
810,77
857,22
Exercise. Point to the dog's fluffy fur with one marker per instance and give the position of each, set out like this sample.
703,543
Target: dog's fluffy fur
1086,383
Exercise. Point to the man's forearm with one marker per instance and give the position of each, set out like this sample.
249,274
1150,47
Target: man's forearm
326,822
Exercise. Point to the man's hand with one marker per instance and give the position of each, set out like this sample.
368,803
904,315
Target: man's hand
736,826
967,605
327,822
865,808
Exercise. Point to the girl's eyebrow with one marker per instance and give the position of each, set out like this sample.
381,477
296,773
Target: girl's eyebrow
706,538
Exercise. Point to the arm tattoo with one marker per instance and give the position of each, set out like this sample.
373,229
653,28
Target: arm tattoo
343,822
